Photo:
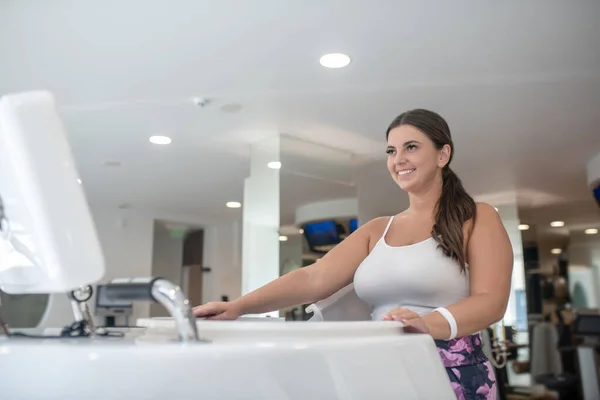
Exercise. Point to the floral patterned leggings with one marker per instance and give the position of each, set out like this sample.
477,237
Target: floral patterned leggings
470,372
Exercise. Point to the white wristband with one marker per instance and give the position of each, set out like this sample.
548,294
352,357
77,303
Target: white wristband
451,321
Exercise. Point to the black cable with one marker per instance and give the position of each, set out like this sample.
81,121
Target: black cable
77,329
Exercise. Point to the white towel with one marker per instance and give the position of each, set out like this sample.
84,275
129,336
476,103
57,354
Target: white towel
343,305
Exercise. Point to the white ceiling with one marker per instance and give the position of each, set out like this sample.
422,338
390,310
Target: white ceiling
518,82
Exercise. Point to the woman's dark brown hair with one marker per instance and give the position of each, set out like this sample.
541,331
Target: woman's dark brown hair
455,206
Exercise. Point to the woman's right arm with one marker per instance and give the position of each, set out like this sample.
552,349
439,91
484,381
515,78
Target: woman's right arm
305,285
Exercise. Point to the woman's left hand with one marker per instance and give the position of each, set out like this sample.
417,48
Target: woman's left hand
413,321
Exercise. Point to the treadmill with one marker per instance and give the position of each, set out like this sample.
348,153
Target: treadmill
587,328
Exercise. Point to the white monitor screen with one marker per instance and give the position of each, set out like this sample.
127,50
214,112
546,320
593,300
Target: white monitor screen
48,241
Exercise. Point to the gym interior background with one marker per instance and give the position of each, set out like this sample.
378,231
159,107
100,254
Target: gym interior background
189,157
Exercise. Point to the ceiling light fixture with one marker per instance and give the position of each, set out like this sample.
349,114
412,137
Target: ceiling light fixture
591,231
274,165
79,181
283,238
160,139
233,204
557,224
556,251
523,227
334,60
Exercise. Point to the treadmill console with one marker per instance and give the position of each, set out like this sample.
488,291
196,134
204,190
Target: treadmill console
587,325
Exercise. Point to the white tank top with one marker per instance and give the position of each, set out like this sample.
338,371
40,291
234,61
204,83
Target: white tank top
418,277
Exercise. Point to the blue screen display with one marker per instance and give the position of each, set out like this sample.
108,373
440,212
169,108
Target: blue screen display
321,233
597,194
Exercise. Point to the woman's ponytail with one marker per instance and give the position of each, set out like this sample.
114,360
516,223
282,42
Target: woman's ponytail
455,207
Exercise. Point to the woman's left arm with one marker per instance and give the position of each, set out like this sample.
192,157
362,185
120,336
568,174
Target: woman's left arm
490,256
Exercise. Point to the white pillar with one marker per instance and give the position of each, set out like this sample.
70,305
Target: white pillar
510,217
260,240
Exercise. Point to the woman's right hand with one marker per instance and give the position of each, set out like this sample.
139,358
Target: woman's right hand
218,310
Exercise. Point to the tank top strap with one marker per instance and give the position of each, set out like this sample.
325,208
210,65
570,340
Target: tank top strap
387,228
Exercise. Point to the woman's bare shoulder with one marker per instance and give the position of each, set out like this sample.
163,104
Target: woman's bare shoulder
485,214
373,230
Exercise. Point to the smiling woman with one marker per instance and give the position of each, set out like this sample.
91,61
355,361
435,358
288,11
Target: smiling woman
443,266
454,285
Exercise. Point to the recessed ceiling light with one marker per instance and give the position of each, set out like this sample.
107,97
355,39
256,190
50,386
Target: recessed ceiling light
160,139
283,238
523,227
274,165
591,231
557,224
233,204
556,251
301,231
334,60
79,181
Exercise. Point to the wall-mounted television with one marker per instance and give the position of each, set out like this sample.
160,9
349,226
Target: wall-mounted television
597,194
321,236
